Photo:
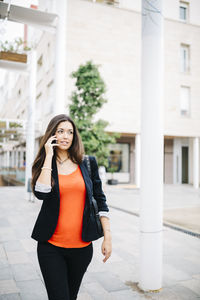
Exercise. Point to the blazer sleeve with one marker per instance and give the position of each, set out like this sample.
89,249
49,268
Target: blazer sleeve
42,191
97,186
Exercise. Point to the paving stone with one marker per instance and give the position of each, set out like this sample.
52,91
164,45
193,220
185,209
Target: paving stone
29,245
8,287
3,262
10,297
6,273
175,292
13,245
22,272
193,284
4,222
84,296
2,251
172,275
32,290
110,282
17,257
7,234
126,295
97,292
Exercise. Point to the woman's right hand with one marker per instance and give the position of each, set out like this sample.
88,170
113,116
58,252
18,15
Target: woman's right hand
49,145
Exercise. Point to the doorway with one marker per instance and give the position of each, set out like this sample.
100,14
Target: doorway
185,164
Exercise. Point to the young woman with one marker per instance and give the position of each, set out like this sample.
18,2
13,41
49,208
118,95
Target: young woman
61,179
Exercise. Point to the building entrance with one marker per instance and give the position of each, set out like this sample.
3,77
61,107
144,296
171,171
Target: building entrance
184,164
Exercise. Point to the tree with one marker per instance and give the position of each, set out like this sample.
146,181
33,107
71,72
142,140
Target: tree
87,100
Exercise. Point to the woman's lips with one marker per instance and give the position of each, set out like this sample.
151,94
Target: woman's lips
64,143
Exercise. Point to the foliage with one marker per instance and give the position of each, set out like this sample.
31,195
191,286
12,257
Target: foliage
16,46
87,100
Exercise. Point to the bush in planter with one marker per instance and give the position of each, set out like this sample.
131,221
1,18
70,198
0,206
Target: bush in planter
112,170
14,51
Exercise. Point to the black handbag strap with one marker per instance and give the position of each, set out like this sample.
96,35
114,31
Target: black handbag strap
90,173
88,165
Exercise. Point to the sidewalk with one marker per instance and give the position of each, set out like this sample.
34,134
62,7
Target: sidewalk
181,205
21,279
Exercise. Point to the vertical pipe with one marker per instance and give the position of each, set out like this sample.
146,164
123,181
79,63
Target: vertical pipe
196,162
151,146
137,159
30,126
60,58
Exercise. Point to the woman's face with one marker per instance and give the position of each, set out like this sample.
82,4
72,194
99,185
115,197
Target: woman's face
64,135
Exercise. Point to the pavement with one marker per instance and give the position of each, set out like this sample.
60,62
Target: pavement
117,279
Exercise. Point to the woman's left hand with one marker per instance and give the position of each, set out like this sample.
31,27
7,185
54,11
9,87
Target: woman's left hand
106,249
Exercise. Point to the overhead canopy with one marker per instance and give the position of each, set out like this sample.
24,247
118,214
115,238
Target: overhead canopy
34,17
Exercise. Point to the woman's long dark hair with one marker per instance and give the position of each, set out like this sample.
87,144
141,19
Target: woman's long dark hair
75,152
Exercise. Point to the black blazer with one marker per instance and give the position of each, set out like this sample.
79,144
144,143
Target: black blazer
47,219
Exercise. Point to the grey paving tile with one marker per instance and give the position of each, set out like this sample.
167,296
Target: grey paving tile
32,290
126,295
84,296
2,251
7,234
17,257
110,282
193,284
29,245
3,262
8,287
4,222
175,292
22,272
13,245
10,297
6,273
97,292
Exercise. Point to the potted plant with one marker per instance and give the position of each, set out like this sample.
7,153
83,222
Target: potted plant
14,51
112,181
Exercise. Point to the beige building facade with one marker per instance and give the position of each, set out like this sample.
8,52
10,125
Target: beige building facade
110,35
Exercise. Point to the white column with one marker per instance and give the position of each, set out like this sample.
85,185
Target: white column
21,158
196,162
137,159
151,202
7,159
12,158
30,126
60,58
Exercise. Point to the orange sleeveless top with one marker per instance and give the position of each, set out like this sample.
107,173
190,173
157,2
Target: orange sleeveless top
72,201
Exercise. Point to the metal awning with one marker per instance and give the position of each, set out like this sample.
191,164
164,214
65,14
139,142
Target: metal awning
37,18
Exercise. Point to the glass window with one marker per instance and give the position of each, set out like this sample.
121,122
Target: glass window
185,101
119,158
183,11
185,58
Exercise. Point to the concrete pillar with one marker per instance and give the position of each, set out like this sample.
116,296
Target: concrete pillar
196,162
7,159
151,202
21,158
137,159
30,127
60,58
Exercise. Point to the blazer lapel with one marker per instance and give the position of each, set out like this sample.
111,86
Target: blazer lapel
55,175
87,180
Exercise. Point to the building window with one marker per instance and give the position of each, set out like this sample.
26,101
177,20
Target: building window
109,2
185,53
118,159
183,11
185,101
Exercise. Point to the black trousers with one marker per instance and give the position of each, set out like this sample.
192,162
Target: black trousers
63,269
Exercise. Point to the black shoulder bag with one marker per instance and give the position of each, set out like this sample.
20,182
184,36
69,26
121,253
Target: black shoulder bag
95,212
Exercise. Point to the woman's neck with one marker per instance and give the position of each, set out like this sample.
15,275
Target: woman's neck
62,154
